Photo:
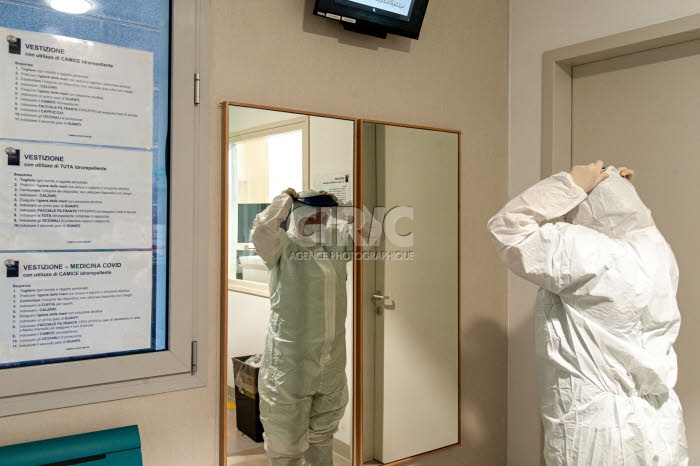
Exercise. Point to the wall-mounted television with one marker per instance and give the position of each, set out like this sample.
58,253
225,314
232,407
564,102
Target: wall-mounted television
376,17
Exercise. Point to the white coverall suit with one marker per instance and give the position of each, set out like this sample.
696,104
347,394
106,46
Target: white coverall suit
303,386
606,319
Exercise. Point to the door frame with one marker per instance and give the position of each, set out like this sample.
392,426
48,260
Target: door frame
223,331
359,296
557,79
557,85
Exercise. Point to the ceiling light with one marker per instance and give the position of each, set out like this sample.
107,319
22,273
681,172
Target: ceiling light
75,7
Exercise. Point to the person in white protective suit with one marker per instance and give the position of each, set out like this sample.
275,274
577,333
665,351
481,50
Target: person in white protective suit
303,387
606,318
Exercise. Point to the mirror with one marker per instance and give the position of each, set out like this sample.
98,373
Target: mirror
287,329
410,292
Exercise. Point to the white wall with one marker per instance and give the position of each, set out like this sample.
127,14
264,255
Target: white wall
331,144
244,118
248,316
535,28
344,433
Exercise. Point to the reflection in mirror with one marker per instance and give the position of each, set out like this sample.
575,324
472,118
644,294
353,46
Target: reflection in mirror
264,160
289,306
410,305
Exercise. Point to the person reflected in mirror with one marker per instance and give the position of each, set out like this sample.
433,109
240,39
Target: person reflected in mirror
303,386
606,317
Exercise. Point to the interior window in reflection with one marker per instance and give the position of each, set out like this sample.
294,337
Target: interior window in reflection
263,163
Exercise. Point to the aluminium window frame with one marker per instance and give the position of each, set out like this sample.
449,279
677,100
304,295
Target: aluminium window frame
181,366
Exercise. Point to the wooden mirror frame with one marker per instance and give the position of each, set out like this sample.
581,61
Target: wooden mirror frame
223,331
357,402
358,300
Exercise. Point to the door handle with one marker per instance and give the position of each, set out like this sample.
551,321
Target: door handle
378,296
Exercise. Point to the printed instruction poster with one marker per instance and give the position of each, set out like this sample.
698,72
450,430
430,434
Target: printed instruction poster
62,305
75,197
76,206
59,89
339,184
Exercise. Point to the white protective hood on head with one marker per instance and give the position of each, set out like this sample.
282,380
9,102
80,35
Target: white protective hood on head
606,319
612,208
296,224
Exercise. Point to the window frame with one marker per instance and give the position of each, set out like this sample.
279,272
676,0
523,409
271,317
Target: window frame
181,366
279,127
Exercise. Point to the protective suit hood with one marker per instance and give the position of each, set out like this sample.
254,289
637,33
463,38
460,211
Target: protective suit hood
302,209
612,208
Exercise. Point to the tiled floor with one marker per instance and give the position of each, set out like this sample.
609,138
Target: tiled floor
236,442
249,460
340,461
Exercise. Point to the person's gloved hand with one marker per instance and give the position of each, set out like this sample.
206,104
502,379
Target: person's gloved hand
588,176
627,173
291,192
325,193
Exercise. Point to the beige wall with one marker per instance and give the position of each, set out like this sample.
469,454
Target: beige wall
455,76
275,53
535,28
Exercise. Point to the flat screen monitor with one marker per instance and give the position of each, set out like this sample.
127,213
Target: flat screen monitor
376,17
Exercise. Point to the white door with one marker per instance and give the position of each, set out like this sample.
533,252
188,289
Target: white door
643,111
416,344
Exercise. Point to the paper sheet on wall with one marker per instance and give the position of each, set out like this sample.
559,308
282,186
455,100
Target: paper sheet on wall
74,197
338,183
62,305
55,88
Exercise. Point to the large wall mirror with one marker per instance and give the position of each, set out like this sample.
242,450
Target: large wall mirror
410,293
309,230
287,315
